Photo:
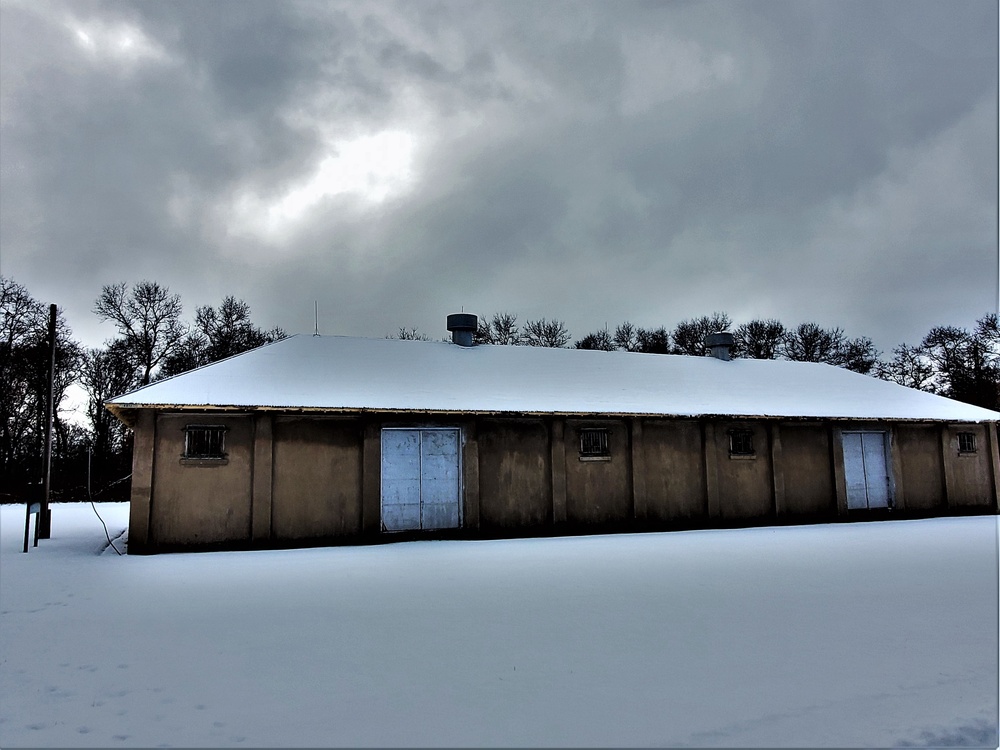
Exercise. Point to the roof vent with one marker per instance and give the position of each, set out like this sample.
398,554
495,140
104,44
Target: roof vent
720,345
462,327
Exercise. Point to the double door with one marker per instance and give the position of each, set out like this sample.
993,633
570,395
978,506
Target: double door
866,469
421,478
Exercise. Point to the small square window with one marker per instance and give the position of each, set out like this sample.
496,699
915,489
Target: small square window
966,442
204,441
594,443
741,443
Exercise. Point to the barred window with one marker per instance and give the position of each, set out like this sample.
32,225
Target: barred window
966,442
594,443
204,441
741,443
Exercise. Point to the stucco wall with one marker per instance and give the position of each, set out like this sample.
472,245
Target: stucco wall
289,478
970,477
922,477
806,471
201,501
674,470
598,491
515,476
744,482
317,478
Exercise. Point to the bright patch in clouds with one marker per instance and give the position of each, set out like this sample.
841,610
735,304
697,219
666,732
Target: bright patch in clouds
120,42
372,168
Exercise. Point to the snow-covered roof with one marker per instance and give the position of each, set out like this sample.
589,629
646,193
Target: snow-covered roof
338,373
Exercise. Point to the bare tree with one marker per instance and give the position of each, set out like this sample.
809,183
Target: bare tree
759,339
967,364
653,340
410,334
600,340
104,374
689,335
148,319
626,337
218,333
191,352
909,366
229,329
859,355
500,329
808,342
542,332
24,382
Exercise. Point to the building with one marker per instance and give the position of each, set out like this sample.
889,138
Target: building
326,439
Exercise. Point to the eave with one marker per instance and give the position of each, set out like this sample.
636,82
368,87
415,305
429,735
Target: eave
127,413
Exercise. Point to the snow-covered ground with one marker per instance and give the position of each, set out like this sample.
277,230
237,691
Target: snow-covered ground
879,634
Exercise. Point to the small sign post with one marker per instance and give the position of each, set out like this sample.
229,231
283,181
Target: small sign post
31,509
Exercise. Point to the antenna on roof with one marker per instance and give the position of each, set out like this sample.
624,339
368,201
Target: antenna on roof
316,315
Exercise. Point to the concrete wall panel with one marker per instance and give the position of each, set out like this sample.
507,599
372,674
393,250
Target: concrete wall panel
515,487
675,473
317,478
201,501
143,455
805,468
970,479
298,477
922,480
598,491
745,487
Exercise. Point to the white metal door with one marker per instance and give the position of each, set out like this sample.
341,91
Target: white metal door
421,479
400,480
865,470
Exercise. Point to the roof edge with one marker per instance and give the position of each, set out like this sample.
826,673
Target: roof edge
113,400
126,413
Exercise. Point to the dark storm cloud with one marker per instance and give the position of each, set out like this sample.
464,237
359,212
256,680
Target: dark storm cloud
831,161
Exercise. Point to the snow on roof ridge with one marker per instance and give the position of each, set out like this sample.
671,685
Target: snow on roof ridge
200,367
346,373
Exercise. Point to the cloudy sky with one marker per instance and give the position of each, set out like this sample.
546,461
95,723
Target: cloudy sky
592,162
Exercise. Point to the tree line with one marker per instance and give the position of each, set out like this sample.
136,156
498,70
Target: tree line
154,341
949,361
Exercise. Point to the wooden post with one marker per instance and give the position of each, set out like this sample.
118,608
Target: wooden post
947,453
371,479
839,477
43,524
894,465
991,439
263,474
777,470
558,458
27,524
638,471
470,474
141,499
711,469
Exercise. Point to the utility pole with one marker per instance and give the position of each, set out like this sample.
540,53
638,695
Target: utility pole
43,526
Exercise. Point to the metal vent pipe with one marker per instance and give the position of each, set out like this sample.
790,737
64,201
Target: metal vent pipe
463,327
720,344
